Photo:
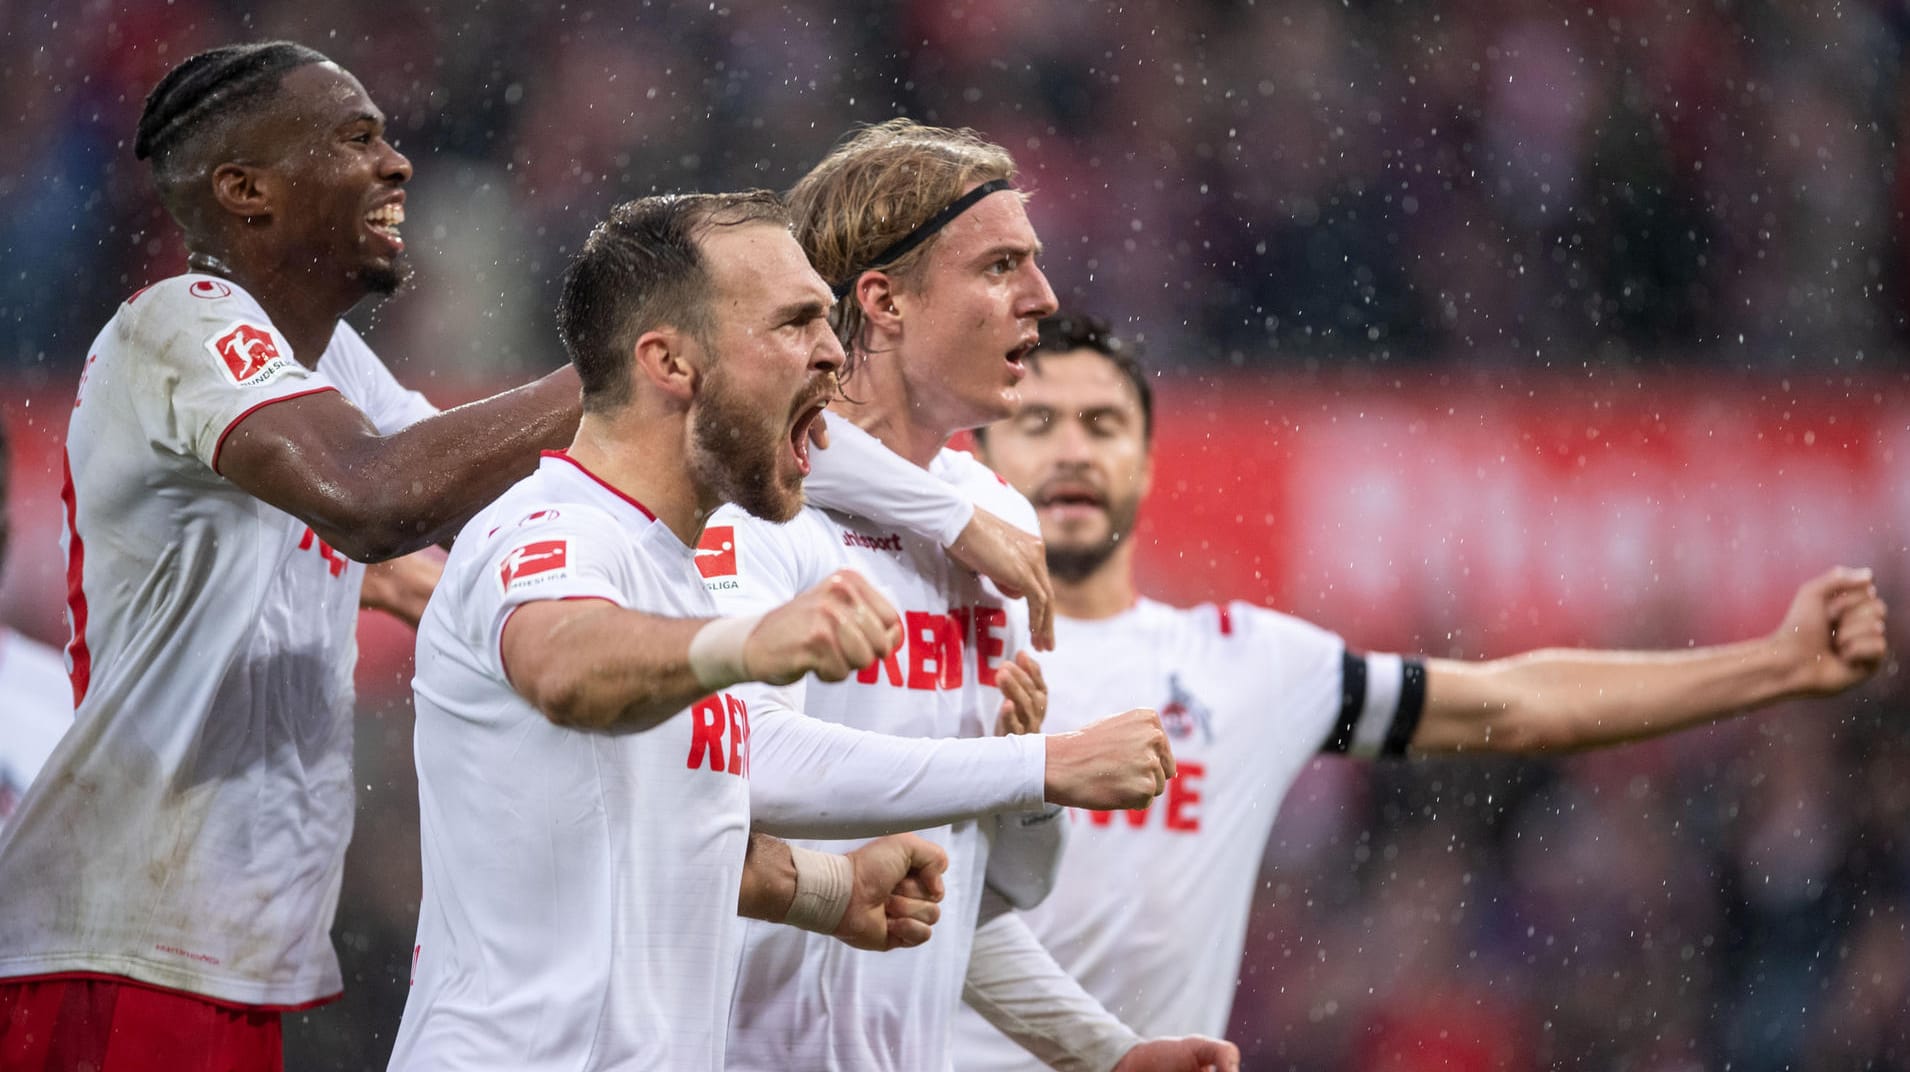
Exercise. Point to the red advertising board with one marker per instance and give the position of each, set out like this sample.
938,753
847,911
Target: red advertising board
1453,514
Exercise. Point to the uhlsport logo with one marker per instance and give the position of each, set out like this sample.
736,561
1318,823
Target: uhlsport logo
533,560
251,354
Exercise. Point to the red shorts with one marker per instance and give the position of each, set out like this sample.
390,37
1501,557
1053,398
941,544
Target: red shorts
104,1024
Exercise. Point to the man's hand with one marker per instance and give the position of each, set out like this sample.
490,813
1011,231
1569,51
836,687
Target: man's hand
402,586
1190,1053
1024,696
832,630
1833,635
1015,561
1122,761
897,886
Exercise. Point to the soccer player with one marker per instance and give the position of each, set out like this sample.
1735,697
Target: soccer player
587,796
1149,910
39,703
930,250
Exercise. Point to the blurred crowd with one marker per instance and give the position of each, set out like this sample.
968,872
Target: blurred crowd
1282,184
1251,183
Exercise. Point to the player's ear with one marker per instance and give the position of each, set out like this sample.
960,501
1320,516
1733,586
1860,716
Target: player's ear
1147,468
877,294
242,191
662,357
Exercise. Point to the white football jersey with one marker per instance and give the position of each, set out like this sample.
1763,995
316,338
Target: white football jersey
579,904
1149,911
805,1002
190,830
37,711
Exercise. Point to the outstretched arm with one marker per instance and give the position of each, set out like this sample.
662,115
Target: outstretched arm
373,497
589,664
1565,700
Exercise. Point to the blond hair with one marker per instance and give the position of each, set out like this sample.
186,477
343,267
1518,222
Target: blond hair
876,186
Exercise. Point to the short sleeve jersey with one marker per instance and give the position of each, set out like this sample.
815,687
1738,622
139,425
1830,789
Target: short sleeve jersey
806,1001
579,902
190,831
37,711
1149,911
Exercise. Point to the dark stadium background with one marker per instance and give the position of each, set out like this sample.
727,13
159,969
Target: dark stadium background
1480,325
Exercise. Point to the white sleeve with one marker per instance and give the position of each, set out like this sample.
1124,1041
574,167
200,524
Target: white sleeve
542,554
815,779
1015,984
858,475
211,362
1024,857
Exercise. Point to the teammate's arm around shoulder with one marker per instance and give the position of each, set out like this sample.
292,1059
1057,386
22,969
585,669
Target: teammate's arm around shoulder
373,497
858,475
881,896
1831,638
592,664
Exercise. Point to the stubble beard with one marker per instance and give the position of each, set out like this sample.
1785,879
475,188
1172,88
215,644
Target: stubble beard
734,453
1076,564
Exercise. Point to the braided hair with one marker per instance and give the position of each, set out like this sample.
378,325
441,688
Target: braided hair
204,89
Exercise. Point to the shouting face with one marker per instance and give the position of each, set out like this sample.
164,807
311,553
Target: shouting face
770,364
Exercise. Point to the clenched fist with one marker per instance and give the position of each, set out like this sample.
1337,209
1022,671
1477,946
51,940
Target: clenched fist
898,883
832,630
1122,761
1833,634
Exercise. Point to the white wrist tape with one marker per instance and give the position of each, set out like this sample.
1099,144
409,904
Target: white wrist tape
824,881
716,651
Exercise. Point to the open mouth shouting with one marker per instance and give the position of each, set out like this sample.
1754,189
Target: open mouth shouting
808,411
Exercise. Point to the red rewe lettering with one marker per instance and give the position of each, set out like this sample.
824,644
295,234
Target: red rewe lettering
707,719
333,560
739,735
1183,796
889,665
990,623
924,633
1136,817
954,638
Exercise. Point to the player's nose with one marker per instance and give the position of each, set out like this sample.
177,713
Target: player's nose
1038,298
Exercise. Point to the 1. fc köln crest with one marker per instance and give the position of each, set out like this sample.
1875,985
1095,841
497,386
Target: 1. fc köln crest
1183,713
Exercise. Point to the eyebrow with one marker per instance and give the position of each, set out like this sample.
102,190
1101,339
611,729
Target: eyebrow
1017,248
374,118
811,308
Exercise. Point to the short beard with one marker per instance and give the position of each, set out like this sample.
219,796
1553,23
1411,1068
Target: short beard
733,454
385,280
1073,565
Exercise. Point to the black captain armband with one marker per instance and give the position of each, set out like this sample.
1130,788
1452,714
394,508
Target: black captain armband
1381,699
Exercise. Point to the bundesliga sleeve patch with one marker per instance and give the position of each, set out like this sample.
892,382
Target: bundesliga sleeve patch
252,355
533,564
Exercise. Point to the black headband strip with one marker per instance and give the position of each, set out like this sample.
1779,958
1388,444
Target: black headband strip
921,234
